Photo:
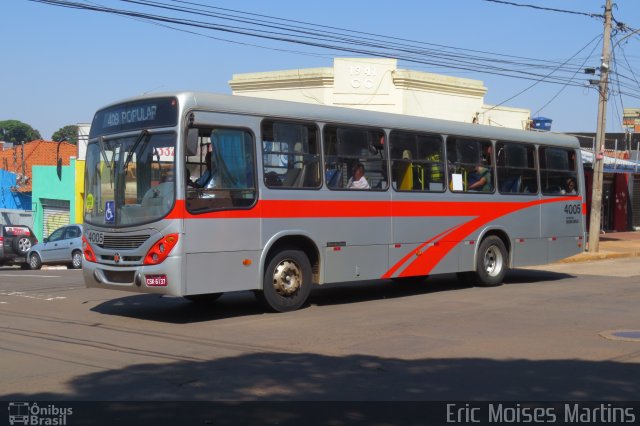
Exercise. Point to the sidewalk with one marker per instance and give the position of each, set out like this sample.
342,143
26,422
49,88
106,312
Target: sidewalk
612,245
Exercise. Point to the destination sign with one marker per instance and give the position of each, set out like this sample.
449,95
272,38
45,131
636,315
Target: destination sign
145,114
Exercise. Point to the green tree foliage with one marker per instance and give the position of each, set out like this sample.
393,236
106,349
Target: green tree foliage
70,133
16,131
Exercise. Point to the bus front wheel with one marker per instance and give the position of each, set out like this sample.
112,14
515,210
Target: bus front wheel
287,281
491,263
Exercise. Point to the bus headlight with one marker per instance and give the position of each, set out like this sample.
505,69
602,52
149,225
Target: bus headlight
89,255
160,250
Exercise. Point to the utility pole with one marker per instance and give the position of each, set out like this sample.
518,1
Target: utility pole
598,155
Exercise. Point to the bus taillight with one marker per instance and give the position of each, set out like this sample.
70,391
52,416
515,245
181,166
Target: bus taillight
89,255
160,250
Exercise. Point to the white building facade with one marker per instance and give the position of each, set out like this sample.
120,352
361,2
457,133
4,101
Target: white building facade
377,84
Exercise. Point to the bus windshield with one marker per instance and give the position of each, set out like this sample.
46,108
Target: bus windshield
129,180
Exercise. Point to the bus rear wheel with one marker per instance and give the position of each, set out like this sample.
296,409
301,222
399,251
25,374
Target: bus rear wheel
287,281
492,262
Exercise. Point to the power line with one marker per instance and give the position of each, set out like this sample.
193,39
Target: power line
565,86
539,81
378,46
550,9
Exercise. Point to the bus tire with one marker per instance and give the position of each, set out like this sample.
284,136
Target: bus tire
491,263
287,281
203,299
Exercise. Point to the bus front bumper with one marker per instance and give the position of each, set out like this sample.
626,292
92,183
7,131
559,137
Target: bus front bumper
161,279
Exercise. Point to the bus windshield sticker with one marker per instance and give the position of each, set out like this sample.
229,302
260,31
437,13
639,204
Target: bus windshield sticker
110,212
89,202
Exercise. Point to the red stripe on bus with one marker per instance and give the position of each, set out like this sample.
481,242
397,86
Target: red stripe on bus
290,209
413,253
423,265
481,212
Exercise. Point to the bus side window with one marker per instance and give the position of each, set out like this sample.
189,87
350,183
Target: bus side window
348,149
290,155
232,183
470,164
417,162
516,168
558,171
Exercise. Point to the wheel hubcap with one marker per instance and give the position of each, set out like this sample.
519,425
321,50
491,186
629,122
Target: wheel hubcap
24,245
287,278
493,261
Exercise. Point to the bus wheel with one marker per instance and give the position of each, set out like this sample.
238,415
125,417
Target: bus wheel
287,281
491,263
203,299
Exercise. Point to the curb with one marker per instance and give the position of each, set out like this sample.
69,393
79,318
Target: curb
587,257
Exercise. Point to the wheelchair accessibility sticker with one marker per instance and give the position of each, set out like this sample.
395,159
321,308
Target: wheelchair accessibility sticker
110,212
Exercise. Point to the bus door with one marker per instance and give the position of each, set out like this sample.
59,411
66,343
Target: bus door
222,225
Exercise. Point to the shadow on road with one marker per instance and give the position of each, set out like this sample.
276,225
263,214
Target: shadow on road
311,377
238,304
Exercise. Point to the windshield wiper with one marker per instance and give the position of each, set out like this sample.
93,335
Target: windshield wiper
106,160
103,152
142,137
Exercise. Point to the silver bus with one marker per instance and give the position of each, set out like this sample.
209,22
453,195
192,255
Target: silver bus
196,194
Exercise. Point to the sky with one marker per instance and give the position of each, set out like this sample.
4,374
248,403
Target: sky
59,65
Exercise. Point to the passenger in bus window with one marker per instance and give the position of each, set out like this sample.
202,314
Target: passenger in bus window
190,183
206,180
357,180
436,175
480,178
570,187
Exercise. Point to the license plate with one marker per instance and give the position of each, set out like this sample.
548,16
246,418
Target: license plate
156,280
94,237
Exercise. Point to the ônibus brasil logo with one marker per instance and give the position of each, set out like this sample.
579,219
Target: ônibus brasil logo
25,413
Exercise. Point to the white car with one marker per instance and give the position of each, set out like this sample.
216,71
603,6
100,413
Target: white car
62,247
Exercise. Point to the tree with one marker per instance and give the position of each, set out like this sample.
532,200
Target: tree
16,131
70,133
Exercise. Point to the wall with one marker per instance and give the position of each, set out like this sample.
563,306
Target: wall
10,199
377,84
48,185
77,204
16,217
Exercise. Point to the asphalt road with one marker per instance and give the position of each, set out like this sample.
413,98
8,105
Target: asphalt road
547,334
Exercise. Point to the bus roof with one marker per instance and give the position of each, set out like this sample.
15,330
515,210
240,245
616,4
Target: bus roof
206,101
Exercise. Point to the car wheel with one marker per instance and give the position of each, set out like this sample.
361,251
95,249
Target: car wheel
21,245
76,260
35,262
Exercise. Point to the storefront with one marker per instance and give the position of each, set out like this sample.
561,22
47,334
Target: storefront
620,192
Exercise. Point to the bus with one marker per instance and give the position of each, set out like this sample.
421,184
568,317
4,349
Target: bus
299,195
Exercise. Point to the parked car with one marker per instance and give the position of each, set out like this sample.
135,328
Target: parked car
62,247
15,242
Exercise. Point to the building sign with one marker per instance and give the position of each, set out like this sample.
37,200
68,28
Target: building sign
631,119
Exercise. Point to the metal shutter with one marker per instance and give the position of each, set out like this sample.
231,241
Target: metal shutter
56,214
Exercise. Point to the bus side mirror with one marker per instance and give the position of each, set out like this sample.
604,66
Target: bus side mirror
192,142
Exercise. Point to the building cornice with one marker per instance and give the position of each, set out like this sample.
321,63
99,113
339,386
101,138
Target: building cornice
416,80
300,78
